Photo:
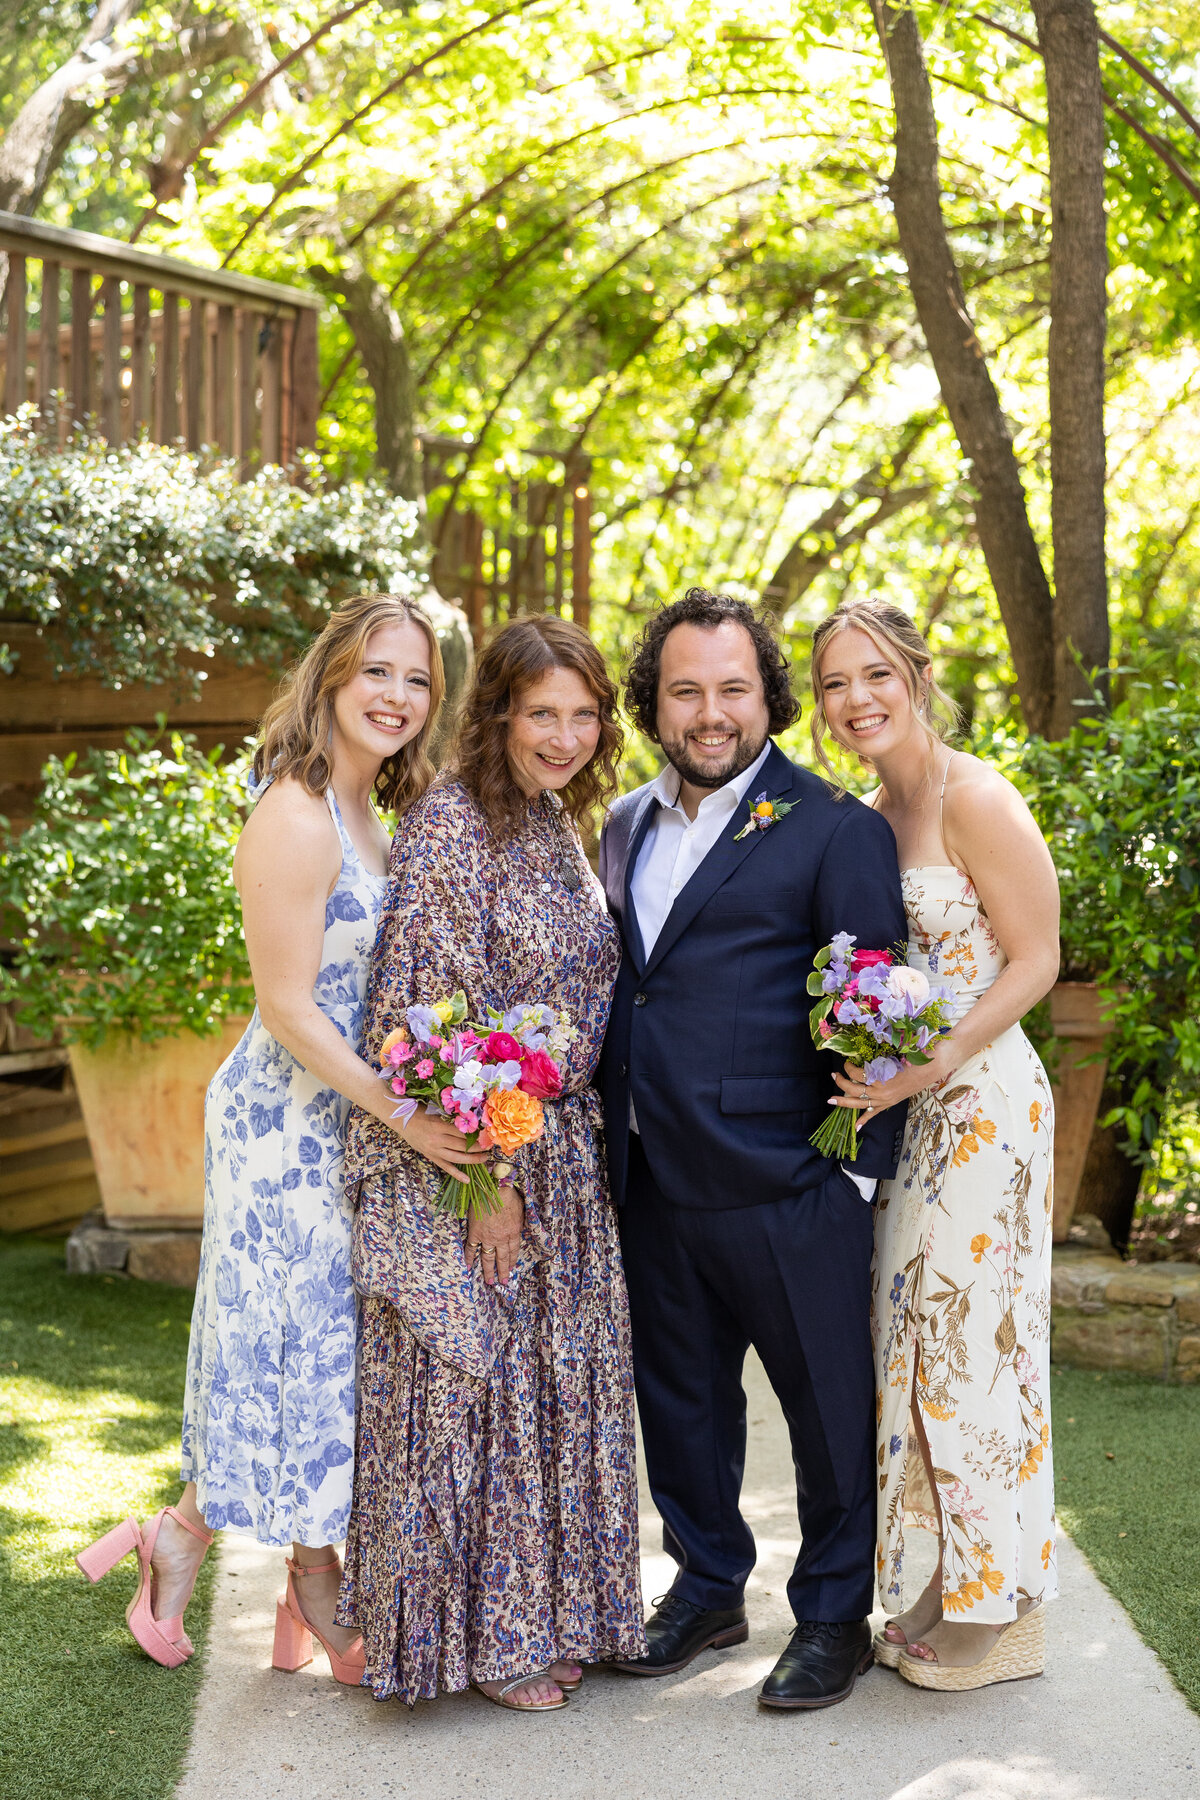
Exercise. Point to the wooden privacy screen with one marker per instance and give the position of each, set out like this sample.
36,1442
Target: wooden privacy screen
95,330
530,554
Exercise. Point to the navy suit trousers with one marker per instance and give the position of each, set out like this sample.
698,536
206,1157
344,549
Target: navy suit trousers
791,1277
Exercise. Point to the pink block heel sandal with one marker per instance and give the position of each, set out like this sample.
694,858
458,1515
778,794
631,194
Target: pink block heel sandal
164,1640
294,1635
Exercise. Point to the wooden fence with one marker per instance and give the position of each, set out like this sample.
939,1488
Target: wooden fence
95,330
526,549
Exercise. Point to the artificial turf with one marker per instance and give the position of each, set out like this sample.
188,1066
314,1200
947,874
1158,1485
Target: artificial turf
1127,1481
91,1381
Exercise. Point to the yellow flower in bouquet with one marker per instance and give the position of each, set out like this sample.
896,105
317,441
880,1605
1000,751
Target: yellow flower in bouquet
513,1118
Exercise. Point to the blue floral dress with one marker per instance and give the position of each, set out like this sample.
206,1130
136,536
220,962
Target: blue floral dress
268,1424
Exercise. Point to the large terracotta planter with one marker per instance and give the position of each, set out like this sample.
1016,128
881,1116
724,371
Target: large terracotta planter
143,1105
1075,1013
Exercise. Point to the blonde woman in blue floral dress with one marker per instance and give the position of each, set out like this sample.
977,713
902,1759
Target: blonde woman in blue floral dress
268,1432
961,1283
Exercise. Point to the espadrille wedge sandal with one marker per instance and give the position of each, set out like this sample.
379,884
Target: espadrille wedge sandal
914,1624
1019,1654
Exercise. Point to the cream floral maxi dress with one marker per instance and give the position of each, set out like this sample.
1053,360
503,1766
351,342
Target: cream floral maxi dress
961,1290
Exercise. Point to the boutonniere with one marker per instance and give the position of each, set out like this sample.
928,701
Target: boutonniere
763,814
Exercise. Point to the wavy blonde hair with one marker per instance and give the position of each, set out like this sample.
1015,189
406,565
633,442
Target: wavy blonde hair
296,729
900,643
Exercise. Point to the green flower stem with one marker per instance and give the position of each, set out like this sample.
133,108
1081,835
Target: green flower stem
838,1136
480,1190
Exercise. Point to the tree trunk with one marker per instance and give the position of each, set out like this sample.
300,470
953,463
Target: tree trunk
28,146
379,338
1005,534
1068,37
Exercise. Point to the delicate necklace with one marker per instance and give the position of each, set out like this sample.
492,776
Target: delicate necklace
568,858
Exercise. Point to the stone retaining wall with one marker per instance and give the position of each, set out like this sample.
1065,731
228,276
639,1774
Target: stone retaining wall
1107,1314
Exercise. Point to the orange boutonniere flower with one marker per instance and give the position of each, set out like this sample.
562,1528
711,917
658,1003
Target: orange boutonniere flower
763,813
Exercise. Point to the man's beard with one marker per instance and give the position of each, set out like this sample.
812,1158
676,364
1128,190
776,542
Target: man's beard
704,775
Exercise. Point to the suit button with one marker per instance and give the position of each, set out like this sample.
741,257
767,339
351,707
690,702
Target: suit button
639,999
623,1070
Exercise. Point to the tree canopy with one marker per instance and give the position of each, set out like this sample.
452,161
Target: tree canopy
662,237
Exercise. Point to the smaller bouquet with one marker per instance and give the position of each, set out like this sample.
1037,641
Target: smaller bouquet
877,1011
489,1079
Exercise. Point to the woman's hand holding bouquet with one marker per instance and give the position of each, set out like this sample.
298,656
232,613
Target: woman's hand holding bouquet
885,1018
487,1081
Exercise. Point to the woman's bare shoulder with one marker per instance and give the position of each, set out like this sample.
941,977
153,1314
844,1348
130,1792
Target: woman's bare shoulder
980,801
289,821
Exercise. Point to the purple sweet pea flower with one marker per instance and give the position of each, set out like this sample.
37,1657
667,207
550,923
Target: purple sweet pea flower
847,1013
422,1021
872,981
502,1075
842,945
882,1068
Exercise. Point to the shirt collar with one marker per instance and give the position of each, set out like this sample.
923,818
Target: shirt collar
666,784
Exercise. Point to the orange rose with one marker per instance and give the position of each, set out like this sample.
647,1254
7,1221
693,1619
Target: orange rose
513,1118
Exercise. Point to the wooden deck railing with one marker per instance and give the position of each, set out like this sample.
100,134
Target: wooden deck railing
134,341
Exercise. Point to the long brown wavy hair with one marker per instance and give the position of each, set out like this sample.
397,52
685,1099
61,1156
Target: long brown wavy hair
900,642
296,728
519,654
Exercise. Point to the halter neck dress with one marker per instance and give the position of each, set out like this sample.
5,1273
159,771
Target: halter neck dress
961,1288
268,1426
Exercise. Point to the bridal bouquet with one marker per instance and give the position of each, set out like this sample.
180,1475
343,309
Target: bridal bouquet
489,1079
879,1013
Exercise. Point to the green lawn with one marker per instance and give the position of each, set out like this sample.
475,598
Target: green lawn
1127,1475
91,1374
91,1379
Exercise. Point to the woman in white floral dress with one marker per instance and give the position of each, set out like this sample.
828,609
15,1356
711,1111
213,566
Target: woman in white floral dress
961,1284
268,1432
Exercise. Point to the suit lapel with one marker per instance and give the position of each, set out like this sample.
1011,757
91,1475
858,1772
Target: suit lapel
776,780
619,897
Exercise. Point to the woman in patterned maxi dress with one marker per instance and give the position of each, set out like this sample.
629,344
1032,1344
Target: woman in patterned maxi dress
493,1539
961,1283
268,1429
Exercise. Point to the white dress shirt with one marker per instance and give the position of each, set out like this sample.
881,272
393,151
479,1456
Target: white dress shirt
675,846
672,851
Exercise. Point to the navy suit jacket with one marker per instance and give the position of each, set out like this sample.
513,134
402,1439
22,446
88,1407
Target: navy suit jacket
709,1034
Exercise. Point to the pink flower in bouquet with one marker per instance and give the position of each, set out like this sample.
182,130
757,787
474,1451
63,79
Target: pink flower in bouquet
540,1076
400,1053
449,1104
467,1122
863,959
825,1028
399,1086
502,1046
425,1068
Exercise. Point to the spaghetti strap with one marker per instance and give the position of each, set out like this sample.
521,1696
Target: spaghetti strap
942,796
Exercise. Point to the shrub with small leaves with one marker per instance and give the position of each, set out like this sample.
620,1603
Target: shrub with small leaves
1119,801
119,896
139,553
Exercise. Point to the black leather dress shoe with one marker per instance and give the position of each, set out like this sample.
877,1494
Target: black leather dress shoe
677,1631
820,1665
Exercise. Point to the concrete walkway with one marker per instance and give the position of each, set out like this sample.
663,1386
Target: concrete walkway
1104,1723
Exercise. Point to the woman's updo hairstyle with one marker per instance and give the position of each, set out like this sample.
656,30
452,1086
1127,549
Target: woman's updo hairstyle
900,643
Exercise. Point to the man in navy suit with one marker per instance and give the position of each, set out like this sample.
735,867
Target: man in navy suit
734,1230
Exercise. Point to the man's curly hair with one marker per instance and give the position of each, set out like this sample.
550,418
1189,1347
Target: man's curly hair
699,607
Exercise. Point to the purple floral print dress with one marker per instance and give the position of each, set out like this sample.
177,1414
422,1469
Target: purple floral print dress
494,1526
